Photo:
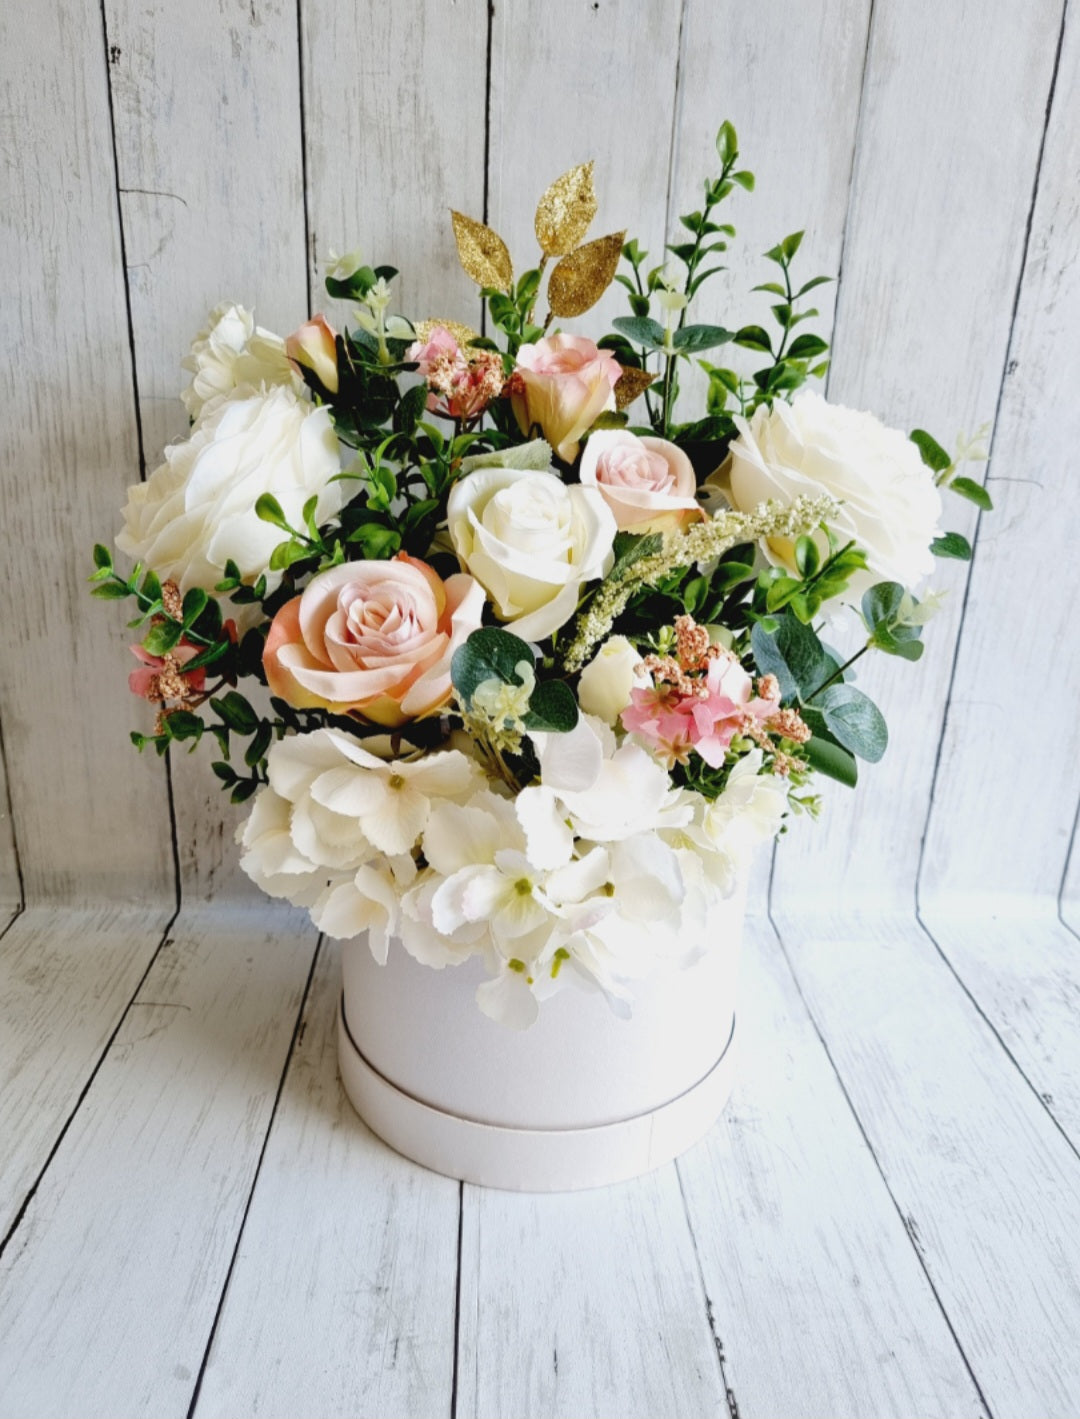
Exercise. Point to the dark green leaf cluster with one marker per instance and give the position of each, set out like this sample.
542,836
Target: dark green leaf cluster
493,654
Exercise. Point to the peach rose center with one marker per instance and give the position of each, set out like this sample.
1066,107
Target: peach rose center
375,625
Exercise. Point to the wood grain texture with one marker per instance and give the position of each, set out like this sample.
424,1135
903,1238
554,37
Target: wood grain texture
66,978
207,103
128,1239
948,147
90,819
817,1294
980,837
570,82
813,55
348,1308
988,1187
1022,968
586,1303
395,121
11,893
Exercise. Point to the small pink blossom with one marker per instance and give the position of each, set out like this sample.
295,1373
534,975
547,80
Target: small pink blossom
461,382
162,677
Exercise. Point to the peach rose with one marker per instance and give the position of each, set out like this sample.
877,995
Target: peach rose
648,483
314,347
563,383
373,639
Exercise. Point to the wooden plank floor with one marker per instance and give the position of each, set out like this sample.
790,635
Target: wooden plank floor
886,1222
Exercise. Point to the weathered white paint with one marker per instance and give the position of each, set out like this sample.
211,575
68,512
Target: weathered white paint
65,982
584,1303
949,142
91,820
985,1181
1002,824
128,1239
818,1298
394,105
614,101
10,885
348,1309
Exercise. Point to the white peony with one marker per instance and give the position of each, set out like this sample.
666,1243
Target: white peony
889,503
197,510
532,542
232,351
606,682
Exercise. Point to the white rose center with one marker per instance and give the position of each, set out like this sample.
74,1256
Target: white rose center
533,518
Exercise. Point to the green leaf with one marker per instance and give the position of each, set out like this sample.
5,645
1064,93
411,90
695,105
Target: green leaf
700,337
809,285
745,179
286,553
233,709
102,557
974,492
552,708
223,771
376,541
807,556
489,653
854,721
727,143
151,587
931,452
410,411
641,330
111,591
794,655
182,724
208,656
881,604
268,509
195,603
753,337
790,245
162,638
256,750
629,548
534,456
952,544
806,347
243,790
831,760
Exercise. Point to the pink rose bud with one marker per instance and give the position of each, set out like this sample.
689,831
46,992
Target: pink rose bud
563,383
314,347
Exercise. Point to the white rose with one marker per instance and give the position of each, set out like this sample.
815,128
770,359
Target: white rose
606,682
890,505
531,541
232,351
197,510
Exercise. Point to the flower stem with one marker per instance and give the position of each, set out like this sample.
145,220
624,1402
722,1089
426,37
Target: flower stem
837,674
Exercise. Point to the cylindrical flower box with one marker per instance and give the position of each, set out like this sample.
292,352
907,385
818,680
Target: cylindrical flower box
580,1099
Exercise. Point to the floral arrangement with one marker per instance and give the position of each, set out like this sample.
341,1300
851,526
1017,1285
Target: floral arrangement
536,662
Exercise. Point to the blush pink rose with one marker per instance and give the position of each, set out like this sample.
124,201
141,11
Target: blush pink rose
373,639
648,483
314,347
563,383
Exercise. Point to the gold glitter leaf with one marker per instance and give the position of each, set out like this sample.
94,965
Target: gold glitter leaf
632,383
565,211
580,279
463,334
482,253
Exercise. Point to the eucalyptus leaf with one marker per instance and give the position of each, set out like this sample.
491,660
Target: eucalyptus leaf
552,708
489,653
854,721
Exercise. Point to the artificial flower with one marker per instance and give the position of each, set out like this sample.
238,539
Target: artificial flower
197,510
888,503
607,681
531,541
233,352
648,483
314,347
563,383
372,638
461,381
160,678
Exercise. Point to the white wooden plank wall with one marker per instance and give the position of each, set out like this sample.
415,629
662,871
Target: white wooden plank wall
182,1185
